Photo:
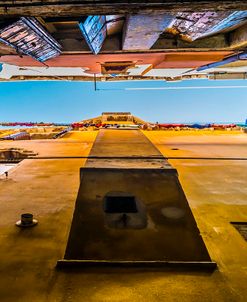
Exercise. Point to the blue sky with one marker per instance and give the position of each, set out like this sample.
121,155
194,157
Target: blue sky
73,101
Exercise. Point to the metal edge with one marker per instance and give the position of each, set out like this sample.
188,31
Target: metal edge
188,265
117,169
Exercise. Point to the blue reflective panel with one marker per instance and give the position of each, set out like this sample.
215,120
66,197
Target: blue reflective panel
94,32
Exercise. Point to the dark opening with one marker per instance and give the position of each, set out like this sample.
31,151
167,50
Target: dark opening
241,227
120,204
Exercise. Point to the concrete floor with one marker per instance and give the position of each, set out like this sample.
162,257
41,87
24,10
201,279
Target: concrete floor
216,191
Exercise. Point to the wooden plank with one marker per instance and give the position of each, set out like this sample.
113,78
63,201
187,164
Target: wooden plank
6,50
54,8
238,38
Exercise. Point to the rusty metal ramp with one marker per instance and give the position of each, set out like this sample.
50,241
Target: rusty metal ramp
131,209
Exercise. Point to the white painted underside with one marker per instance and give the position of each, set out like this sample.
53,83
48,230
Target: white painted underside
6,167
8,71
169,72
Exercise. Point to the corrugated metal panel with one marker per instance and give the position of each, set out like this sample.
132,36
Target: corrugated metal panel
28,36
94,32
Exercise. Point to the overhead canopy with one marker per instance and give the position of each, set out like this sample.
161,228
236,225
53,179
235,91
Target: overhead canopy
130,39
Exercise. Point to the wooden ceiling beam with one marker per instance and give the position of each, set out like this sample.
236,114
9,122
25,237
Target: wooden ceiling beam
54,8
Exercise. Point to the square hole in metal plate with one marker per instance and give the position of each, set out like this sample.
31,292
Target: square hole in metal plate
120,204
241,227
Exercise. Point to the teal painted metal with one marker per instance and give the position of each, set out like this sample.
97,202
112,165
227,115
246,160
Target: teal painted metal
94,32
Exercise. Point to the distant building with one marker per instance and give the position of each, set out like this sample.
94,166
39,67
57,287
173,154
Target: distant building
117,116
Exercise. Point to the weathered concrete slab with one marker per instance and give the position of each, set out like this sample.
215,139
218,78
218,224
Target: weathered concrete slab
125,143
170,234
142,31
156,226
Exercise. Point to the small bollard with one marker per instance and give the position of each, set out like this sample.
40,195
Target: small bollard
26,221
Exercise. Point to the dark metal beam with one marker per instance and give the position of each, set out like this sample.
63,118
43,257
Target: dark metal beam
53,8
